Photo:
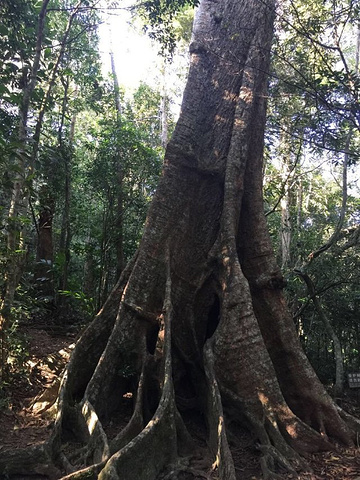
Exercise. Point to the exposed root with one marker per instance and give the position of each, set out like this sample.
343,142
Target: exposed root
91,344
172,471
304,393
97,441
182,465
186,444
66,464
36,459
217,435
174,474
156,445
267,472
78,454
46,399
88,473
271,458
135,424
87,445
274,441
351,421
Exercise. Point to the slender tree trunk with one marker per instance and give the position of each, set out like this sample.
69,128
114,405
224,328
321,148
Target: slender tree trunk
119,221
286,230
45,253
119,245
65,236
164,137
89,287
52,80
303,273
285,225
116,88
299,204
338,353
105,254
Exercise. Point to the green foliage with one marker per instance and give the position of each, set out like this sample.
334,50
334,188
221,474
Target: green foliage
86,304
18,29
18,352
313,123
314,215
338,286
159,16
314,80
106,150
4,397
183,24
23,309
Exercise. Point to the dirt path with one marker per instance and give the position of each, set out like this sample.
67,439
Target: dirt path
21,424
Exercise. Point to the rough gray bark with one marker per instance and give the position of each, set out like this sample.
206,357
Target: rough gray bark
198,320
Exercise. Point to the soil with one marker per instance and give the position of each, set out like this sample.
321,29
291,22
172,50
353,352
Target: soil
23,423
20,422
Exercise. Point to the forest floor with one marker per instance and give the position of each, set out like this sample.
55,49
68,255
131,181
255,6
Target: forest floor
23,423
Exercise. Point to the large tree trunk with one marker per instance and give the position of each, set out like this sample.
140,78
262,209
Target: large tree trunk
198,320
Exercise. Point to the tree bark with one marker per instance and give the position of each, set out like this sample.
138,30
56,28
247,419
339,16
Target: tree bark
303,273
45,253
120,177
164,107
198,320
65,235
338,353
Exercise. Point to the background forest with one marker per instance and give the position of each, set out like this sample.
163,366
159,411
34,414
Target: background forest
80,156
